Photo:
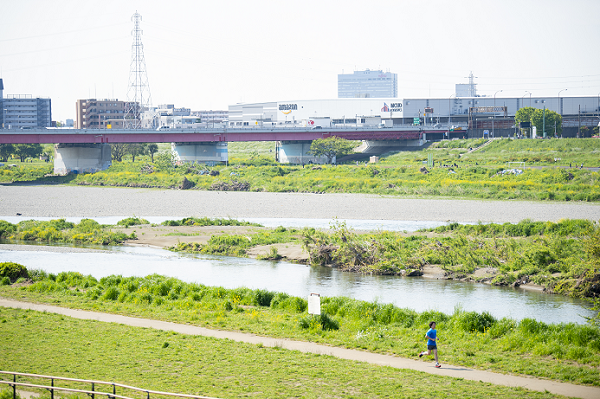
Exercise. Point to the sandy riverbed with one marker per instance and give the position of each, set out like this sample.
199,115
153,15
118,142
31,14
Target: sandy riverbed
70,201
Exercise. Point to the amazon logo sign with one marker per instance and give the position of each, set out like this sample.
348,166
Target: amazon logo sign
288,108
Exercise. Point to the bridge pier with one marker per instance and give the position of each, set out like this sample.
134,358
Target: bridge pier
295,152
81,158
208,153
382,146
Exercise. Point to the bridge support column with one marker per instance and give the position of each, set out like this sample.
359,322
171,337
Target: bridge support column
295,152
81,158
380,147
208,153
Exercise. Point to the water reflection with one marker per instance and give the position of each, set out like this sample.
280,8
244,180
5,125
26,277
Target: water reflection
415,293
365,224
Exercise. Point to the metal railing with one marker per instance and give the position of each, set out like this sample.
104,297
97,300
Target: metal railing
92,392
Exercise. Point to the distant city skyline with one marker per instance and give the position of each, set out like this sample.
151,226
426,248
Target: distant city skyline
207,56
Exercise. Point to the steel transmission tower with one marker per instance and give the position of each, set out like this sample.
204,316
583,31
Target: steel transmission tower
138,92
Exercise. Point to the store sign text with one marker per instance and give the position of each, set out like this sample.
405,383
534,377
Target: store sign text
288,107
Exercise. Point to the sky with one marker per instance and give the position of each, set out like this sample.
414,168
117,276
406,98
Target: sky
207,55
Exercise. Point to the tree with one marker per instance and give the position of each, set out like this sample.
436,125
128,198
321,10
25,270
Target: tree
165,160
135,149
5,151
152,149
28,150
117,151
539,120
536,117
331,147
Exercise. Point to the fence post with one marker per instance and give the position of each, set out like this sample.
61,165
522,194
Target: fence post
114,389
147,395
51,390
14,386
92,390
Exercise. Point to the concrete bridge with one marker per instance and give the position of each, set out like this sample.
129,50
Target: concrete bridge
88,150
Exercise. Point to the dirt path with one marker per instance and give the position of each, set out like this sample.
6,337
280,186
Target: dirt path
350,354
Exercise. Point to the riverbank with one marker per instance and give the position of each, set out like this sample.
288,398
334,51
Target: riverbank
564,352
70,201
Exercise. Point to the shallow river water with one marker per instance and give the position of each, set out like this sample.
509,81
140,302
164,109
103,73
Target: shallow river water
413,292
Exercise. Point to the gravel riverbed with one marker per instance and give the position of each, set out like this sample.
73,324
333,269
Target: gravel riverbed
72,201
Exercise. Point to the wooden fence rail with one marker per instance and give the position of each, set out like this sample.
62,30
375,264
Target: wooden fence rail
92,393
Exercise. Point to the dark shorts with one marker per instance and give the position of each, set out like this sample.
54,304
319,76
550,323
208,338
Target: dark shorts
431,347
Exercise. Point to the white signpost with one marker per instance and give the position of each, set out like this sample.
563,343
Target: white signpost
314,304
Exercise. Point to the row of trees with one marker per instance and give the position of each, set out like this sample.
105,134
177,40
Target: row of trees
21,151
120,150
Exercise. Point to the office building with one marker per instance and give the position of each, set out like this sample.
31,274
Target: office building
23,111
368,84
100,114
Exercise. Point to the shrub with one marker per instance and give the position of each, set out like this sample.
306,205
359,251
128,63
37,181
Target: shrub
111,294
322,321
263,297
13,271
473,321
132,222
7,228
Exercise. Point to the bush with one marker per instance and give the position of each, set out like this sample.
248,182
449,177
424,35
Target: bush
263,297
322,321
13,271
128,222
473,321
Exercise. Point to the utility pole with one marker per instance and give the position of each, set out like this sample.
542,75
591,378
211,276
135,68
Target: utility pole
579,122
544,122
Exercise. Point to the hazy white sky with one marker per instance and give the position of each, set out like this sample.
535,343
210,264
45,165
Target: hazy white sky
210,54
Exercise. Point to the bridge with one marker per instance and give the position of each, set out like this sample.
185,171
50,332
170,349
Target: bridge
88,150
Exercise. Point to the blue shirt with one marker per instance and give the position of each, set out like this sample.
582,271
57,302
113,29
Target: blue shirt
431,334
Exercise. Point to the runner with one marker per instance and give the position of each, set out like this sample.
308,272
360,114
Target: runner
431,344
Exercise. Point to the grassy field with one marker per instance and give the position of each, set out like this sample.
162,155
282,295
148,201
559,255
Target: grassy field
563,352
548,166
50,344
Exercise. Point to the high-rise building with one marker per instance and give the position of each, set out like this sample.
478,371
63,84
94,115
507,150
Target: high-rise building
24,111
1,103
368,84
100,114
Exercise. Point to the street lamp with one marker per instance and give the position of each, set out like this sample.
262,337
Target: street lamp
529,96
494,114
449,112
559,107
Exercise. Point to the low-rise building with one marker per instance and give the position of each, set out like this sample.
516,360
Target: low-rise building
100,114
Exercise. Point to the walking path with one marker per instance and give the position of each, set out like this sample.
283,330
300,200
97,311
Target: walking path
559,388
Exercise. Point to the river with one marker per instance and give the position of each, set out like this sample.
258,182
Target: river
415,293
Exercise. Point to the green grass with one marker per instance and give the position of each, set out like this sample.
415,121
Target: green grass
87,231
252,166
42,343
563,352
